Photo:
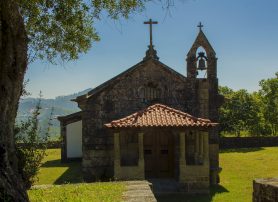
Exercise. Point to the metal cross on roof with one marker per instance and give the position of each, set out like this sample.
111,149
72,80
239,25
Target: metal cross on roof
200,26
150,22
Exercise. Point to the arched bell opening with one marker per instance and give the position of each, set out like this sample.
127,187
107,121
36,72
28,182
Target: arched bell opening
201,63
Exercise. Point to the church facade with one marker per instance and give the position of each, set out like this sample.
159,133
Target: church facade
150,122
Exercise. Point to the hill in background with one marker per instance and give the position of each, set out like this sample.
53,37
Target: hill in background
62,105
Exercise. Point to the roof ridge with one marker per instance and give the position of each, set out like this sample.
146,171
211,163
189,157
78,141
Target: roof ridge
160,115
177,111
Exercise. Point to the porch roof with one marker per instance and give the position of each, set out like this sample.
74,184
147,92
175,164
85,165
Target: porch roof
159,115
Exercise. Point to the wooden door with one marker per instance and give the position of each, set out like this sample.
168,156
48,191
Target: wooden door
159,154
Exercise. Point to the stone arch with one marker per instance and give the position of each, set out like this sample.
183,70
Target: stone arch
201,54
201,41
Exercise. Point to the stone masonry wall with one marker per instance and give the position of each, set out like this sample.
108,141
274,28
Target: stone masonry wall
247,142
265,190
118,101
127,96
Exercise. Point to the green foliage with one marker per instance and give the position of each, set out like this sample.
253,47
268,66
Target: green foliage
269,94
255,112
258,124
239,112
64,29
31,147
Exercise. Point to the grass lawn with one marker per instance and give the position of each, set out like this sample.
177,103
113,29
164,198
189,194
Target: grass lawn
55,172
239,166
105,191
61,174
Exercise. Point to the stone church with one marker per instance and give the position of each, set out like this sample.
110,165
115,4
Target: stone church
151,122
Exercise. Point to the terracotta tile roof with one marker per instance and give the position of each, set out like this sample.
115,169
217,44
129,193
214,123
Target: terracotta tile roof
159,115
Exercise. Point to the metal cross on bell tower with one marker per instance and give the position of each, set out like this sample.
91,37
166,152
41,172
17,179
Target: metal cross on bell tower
151,52
200,26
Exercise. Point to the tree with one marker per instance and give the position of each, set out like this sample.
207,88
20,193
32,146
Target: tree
226,123
235,112
13,63
46,29
64,29
269,92
257,125
241,112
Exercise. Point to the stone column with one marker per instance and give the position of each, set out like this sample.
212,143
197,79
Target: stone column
197,146
206,148
141,146
182,147
201,147
182,160
141,162
117,155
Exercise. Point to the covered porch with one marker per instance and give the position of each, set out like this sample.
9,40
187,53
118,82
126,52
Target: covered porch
162,142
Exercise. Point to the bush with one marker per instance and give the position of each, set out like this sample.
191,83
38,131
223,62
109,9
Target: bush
33,148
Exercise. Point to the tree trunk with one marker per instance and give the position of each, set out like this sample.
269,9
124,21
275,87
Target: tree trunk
13,64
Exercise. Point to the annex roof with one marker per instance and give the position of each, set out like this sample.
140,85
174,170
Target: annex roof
159,115
74,116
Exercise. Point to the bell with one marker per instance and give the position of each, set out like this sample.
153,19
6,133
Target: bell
202,64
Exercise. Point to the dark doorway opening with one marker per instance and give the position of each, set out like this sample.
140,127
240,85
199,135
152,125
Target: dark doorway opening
159,153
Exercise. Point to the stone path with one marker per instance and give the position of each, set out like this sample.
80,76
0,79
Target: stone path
138,191
44,186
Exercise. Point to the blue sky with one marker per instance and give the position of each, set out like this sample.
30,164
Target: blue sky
244,34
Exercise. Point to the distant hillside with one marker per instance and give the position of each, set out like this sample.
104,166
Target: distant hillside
61,106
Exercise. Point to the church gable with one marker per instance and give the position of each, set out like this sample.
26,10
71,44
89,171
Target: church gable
151,67
147,82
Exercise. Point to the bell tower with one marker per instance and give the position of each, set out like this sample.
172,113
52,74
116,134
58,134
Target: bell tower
204,89
203,98
201,61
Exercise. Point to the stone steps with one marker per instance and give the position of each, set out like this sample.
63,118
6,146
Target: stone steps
138,191
165,186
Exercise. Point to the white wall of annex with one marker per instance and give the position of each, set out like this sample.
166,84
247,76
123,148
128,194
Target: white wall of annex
74,140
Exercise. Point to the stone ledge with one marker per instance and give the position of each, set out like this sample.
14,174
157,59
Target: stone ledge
265,190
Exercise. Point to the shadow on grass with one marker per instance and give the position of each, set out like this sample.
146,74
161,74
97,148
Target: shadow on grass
57,163
72,175
190,197
54,163
241,150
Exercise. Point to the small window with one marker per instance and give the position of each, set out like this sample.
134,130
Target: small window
129,150
164,151
132,138
150,92
147,152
